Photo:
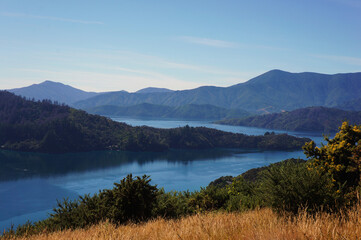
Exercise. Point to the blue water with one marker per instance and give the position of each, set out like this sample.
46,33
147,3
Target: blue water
31,183
315,136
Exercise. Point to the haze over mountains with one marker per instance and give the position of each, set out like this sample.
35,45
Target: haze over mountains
272,91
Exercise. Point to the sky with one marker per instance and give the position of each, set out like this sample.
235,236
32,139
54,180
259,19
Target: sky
128,45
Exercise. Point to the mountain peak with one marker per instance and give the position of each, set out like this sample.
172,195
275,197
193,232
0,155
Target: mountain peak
54,91
154,90
50,82
276,71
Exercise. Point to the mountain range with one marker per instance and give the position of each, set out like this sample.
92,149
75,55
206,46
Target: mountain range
270,92
61,93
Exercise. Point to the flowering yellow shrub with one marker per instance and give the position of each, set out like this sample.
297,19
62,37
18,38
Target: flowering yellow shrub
340,157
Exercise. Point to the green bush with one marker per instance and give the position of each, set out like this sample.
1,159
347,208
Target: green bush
291,186
173,204
242,195
209,198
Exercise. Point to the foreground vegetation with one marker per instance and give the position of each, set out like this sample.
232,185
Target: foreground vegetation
261,224
46,127
320,189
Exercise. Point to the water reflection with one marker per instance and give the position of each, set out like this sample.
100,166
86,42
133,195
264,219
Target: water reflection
32,182
17,165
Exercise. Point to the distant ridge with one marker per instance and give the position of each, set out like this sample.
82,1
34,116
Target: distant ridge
275,90
320,119
54,91
187,112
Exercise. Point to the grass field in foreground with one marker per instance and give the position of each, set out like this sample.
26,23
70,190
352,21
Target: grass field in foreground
256,224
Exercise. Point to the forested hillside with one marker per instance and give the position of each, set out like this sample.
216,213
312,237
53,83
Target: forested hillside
45,127
319,119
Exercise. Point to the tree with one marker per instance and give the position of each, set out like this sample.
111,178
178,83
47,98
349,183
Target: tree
340,157
133,199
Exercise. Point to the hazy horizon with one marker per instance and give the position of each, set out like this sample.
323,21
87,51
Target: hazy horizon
134,91
176,45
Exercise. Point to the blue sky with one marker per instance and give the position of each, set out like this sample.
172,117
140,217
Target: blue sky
128,45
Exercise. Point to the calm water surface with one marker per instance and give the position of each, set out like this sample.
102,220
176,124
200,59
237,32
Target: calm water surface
315,136
30,183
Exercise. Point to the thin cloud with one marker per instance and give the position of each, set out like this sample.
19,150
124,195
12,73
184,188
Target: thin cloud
140,72
350,3
164,63
143,60
344,59
225,44
21,15
134,67
209,42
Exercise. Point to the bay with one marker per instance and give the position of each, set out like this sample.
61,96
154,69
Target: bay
31,183
315,136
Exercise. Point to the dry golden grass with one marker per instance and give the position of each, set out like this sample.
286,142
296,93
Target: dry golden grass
257,224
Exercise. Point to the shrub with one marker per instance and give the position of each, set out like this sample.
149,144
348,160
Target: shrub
242,195
133,199
173,204
130,200
291,186
209,198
